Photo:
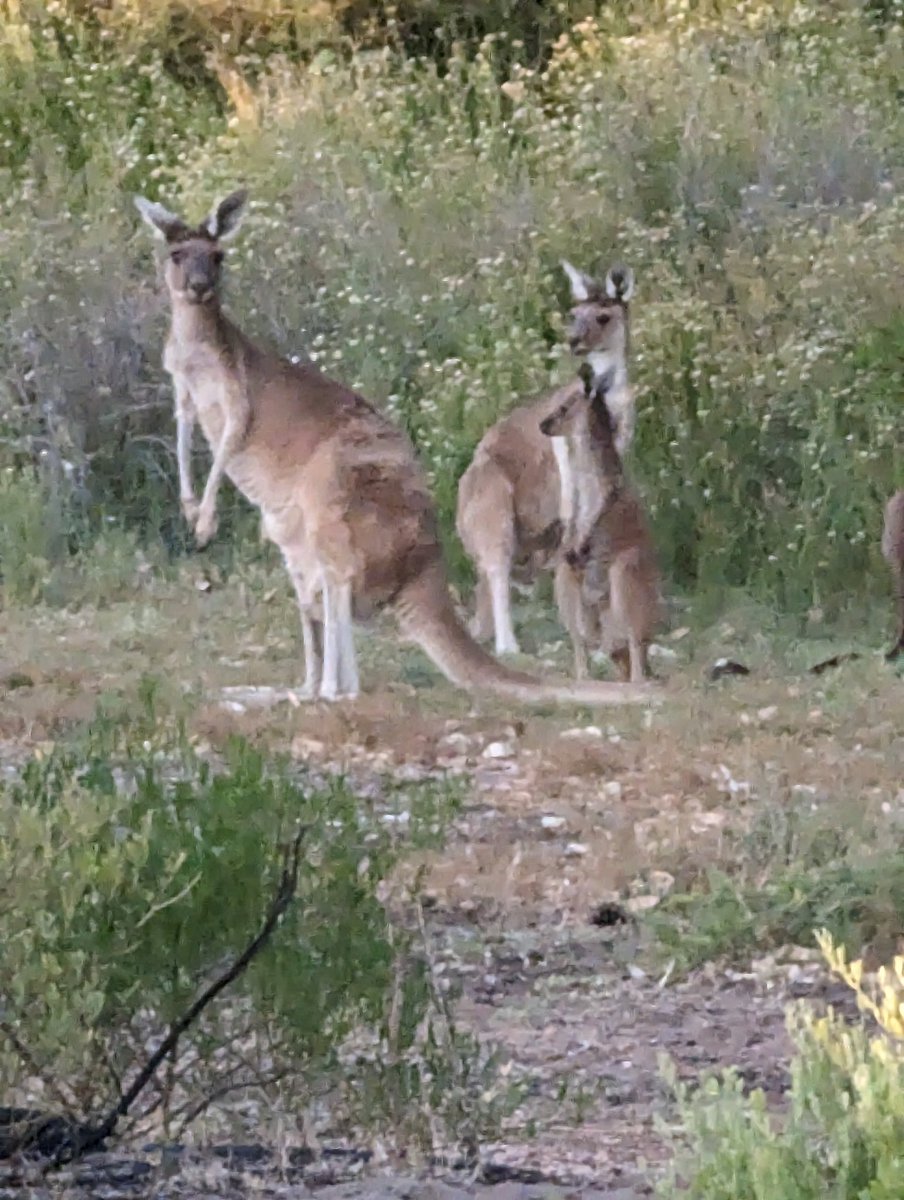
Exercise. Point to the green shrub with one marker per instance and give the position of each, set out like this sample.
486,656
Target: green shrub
407,224
131,873
842,1134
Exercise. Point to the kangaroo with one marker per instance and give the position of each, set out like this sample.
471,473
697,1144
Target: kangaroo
893,550
339,486
608,551
519,492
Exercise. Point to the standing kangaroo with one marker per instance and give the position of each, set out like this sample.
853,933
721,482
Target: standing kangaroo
519,492
893,550
339,487
614,580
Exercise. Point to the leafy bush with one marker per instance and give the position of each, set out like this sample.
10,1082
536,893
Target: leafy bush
842,1136
132,874
860,898
408,222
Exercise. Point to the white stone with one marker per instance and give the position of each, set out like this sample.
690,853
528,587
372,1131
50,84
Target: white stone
499,750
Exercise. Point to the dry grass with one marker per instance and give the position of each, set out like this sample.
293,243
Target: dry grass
635,792
745,776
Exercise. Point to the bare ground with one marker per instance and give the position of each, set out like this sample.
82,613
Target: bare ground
570,821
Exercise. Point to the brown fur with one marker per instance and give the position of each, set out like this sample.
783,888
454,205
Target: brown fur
893,550
611,565
513,501
339,487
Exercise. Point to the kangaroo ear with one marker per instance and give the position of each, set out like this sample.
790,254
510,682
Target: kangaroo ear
582,286
620,283
223,223
165,224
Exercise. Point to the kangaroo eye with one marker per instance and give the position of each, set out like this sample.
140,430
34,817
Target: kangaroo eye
603,319
217,256
177,256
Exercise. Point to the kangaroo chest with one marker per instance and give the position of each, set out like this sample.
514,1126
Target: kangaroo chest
211,385
200,372
588,493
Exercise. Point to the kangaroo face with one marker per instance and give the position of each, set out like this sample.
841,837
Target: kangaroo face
193,270
570,419
599,316
597,326
194,258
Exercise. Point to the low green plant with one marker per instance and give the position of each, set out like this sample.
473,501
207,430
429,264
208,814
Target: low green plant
858,896
841,1135
132,873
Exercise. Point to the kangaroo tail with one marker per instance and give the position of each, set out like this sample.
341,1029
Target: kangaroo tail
426,614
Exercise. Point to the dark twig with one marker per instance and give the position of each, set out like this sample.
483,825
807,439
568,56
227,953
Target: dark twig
187,1114
88,1138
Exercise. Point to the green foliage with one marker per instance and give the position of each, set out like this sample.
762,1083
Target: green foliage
408,218
858,898
131,872
841,1138
792,871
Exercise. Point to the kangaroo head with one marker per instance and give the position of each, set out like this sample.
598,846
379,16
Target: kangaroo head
570,419
194,257
599,316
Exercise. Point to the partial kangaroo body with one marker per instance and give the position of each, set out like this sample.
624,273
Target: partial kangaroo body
893,550
339,487
520,490
609,585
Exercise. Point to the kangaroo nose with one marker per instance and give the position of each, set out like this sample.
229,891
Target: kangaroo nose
574,340
544,426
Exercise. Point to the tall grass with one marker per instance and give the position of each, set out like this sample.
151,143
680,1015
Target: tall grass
407,219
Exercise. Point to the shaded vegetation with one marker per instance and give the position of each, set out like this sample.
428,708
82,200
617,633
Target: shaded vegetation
409,216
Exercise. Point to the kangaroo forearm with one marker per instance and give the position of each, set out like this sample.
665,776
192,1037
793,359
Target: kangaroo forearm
235,426
184,428
229,444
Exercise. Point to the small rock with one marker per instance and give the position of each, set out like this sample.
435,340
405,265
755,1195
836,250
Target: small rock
657,651
552,823
575,850
661,882
499,750
612,790
399,818
303,747
643,903
707,820
588,731
767,713
457,741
